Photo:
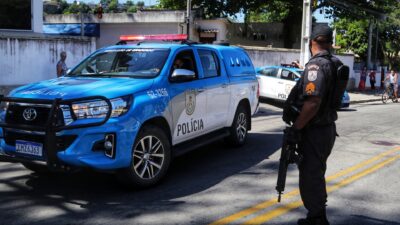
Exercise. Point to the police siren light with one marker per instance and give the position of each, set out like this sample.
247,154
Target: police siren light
159,37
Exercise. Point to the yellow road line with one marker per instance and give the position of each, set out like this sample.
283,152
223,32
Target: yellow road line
293,205
296,192
362,164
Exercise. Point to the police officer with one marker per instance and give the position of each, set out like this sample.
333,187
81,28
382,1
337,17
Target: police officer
314,129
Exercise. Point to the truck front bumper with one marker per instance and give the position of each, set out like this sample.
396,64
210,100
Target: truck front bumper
80,144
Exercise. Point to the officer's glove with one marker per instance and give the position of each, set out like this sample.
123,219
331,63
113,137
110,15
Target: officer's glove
292,135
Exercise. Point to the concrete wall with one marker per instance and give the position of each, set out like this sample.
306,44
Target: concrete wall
271,56
139,17
26,58
109,33
259,34
217,24
116,24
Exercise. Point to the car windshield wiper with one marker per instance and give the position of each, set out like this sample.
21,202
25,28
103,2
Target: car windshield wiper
100,74
104,74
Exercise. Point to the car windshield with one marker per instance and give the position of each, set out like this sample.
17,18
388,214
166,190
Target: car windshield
143,63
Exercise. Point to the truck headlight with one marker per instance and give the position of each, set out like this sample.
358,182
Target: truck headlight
99,109
3,109
4,106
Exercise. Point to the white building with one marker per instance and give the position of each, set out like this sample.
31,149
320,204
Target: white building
111,26
26,54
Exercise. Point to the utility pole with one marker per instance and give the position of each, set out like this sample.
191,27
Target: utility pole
188,9
370,29
376,47
306,24
81,17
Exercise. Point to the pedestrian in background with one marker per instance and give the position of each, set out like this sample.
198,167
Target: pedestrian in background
314,129
393,78
372,79
363,78
61,65
382,77
296,64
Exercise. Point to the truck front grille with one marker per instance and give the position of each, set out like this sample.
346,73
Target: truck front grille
15,115
63,142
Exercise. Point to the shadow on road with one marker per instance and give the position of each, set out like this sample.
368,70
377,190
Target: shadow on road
361,220
99,195
347,110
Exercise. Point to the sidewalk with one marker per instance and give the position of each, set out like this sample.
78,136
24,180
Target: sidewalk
365,96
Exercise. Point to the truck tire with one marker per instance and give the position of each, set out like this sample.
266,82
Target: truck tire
151,156
37,168
239,128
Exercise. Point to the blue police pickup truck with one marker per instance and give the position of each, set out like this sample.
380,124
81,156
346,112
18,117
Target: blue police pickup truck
130,108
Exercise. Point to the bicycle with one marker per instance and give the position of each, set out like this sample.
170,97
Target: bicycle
388,94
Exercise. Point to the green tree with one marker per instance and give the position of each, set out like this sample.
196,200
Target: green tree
132,9
76,8
55,6
140,4
352,35
113,6
129,3
172,4
289,12
389,33
354,16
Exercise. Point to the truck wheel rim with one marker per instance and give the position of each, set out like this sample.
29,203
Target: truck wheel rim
241,129
148,157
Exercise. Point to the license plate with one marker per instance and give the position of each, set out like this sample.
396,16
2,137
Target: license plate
29,148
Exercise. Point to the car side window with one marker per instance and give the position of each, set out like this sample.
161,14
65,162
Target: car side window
269,72
102,62
209,62
185,60
287,75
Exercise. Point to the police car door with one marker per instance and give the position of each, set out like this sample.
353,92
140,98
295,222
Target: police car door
286,83
188,103
268,80
218,89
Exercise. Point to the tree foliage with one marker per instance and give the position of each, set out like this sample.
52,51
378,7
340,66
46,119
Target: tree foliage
55,7
213,8
172,4
274,11
352,27
76,8
289,12
389,33
352,36
112,7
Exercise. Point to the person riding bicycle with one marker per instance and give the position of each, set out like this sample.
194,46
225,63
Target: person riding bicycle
393,79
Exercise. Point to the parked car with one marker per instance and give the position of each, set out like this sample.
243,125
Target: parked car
276,82
131,108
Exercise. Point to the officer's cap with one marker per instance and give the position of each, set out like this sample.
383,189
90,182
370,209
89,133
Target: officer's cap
322,30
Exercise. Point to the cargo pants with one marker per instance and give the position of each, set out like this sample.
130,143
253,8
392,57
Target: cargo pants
316,146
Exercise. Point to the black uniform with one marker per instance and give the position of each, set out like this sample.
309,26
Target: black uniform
318,136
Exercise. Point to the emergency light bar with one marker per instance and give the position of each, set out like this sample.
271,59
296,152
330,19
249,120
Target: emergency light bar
160,37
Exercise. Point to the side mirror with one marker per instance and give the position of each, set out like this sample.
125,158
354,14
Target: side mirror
182,75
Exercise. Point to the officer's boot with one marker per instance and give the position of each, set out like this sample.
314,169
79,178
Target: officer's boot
313,221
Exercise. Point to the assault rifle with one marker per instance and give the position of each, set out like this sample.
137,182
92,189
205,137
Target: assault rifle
289,155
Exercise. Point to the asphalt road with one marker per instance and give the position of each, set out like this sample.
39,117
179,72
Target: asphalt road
220,185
